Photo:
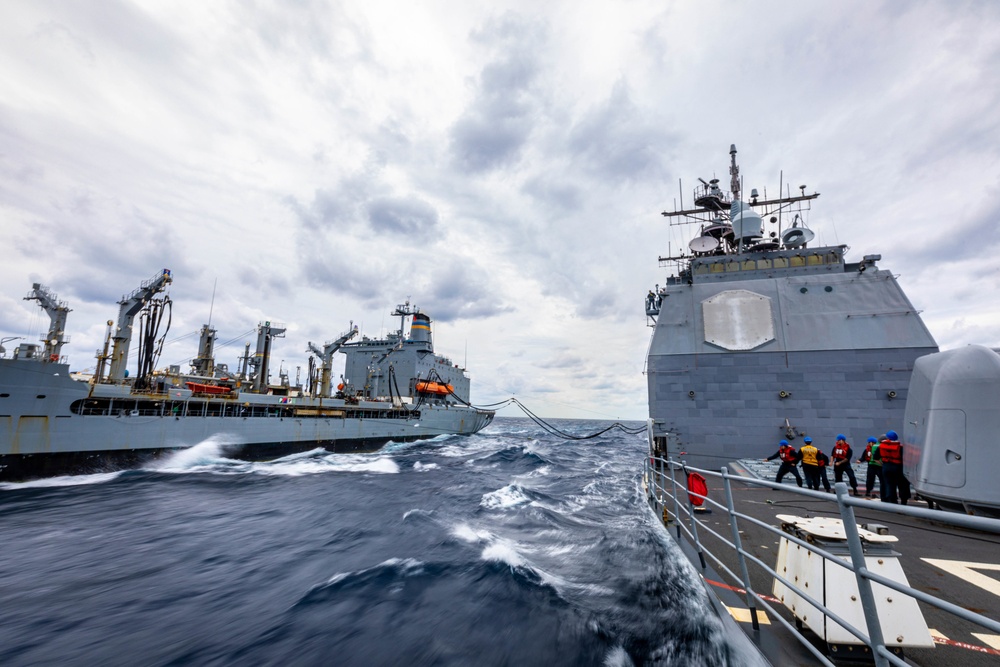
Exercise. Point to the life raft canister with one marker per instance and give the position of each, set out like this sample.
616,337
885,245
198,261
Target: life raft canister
696,485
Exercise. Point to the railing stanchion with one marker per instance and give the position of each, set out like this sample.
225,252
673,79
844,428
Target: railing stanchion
694,528
876,642
677,505
751,601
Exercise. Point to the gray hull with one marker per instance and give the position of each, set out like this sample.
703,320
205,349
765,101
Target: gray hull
41,435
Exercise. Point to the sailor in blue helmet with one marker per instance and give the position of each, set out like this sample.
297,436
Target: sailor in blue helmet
789,459
890,451
842,455
874,469
810,457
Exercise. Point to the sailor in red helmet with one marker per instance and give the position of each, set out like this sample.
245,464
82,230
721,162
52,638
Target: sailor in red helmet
890,452
841,455
789,459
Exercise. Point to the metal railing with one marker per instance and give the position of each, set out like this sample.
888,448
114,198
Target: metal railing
665,492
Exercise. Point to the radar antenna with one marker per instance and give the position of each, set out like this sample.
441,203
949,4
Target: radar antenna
734,171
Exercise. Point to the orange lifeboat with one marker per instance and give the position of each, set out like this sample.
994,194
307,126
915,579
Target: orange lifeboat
434,388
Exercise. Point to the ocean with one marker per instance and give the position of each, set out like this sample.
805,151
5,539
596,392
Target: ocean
510,547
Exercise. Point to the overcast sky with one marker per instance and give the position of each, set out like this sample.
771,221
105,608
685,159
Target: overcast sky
502,165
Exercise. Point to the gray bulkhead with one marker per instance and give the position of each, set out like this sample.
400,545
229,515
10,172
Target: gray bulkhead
828,347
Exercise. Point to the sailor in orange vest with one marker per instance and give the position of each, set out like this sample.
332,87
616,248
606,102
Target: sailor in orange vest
841,456
789,459
891,454
810,463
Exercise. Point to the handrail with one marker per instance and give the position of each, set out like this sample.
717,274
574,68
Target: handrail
655,472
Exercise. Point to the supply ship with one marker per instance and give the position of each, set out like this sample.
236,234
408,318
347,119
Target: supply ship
54,421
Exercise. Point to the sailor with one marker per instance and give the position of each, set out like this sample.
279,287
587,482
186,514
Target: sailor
824,461
810,463
841,455
789,459
874,469
890,451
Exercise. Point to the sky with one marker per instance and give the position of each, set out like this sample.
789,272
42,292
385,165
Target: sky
501,165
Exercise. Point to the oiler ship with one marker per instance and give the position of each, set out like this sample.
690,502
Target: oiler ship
55,421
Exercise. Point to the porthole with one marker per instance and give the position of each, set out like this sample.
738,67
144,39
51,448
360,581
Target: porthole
828,288
4,395
803,289
40,396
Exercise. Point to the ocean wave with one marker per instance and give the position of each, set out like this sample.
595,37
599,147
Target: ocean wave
209,457
66,480
511,495
497,549
378,577
419,466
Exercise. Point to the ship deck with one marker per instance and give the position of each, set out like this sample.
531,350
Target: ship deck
966,573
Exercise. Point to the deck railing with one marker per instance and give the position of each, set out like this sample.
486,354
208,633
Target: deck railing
670,496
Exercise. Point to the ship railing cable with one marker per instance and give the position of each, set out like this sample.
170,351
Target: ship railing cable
549,428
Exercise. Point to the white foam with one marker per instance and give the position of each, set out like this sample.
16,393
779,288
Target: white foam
209,452
618,657
467,533
66,480
504,552
511,495
424,466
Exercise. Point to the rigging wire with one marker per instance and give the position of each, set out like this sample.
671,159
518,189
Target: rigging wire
546,426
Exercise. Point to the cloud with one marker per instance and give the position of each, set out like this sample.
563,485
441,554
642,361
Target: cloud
492,130
402,215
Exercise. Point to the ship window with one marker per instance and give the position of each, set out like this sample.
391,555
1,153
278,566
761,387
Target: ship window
828,288
4,395
803,289
763,264
40,396
717,267
732,266
749,265
798,260
813,260
701,269
781,262
832,258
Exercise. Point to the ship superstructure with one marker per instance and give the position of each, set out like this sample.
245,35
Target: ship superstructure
759,336
395,388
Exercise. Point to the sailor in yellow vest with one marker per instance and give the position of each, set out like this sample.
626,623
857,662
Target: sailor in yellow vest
810,463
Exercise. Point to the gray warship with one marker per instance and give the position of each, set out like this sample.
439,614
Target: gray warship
54,421
760,336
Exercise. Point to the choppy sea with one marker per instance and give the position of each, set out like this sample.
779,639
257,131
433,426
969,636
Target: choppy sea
510,547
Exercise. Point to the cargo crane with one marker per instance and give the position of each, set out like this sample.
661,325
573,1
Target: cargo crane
326,357
130,306
57,311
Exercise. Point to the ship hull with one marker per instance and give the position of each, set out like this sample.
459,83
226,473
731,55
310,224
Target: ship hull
42,431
